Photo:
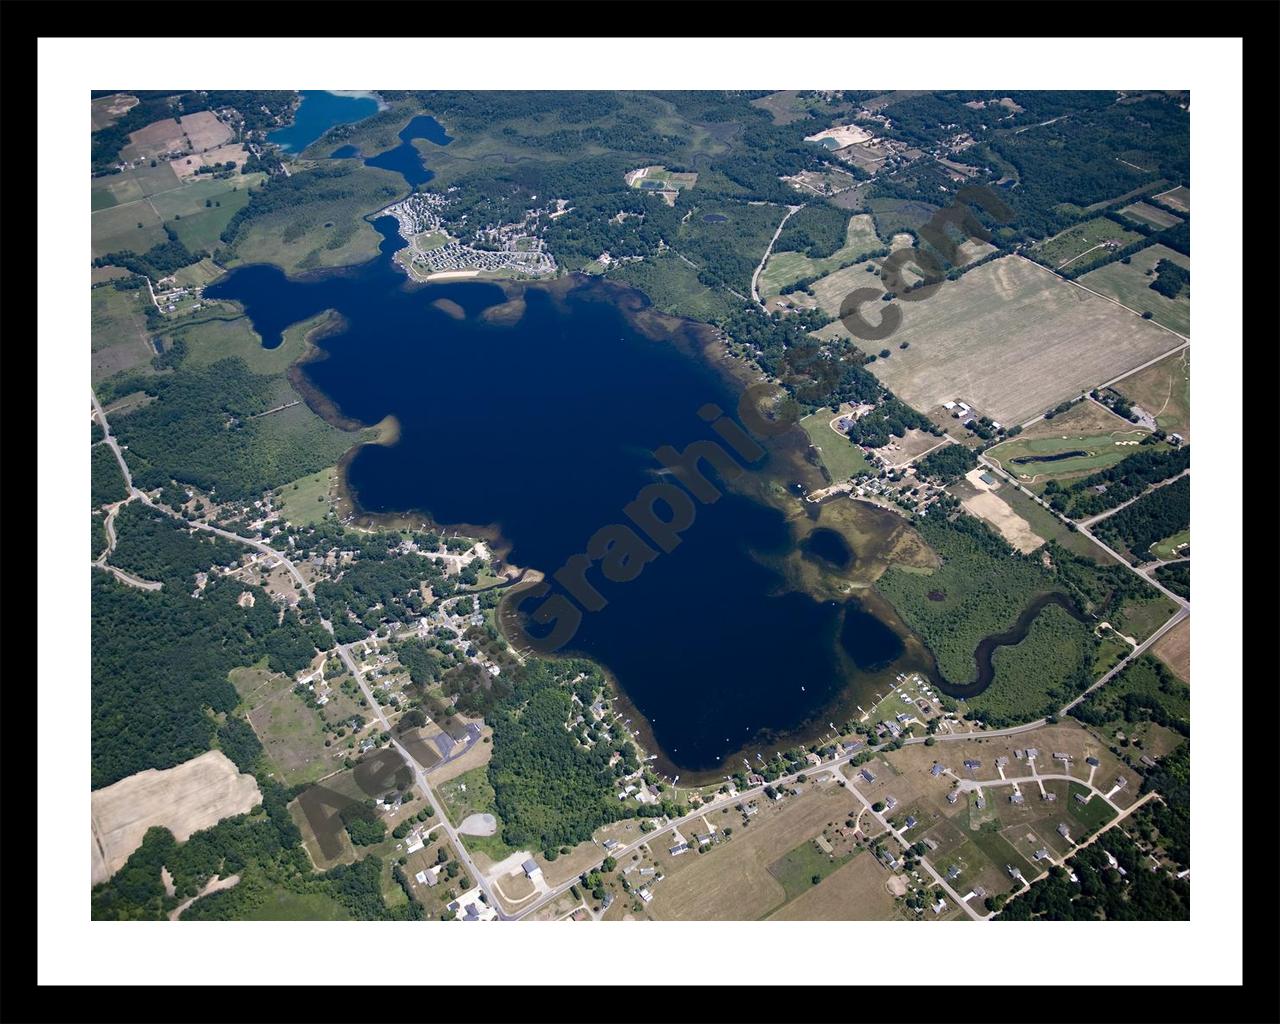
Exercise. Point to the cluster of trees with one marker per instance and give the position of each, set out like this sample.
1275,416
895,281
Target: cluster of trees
1101,892
221,168
1153,517
1171,279
106,484
891,418
1145,691
249,104
1126,479
161,260
1176,577
155,546
947,463
200,431
549,791
161,658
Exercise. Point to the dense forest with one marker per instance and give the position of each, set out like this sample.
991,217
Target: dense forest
1125,480
550,791
1171,279
106,484
201,431
1145,691
1153,517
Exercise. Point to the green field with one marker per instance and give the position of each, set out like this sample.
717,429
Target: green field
796,869
280,904
117,229
1130,284
1100,451
306,501
1140,618
326,228
1066,250
842,458
198,224
785,267
214,338
118,332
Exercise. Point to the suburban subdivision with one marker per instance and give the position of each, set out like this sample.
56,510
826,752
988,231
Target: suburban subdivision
640,506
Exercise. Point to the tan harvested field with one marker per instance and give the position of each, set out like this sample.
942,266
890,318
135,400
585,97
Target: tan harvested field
909,446
732,881
856,891
1081,420
107,110
1011,526
155,139
205,131
185,799
1150,215
186,166
1012,339
1174,649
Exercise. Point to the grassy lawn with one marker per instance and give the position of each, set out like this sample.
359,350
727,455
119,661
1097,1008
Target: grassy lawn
997,849
1092,815
798,867
1108,654
1165,549
491,846
842,458
306,501
282,904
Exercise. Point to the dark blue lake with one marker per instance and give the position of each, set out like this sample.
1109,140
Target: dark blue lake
405,157
544,431
317,113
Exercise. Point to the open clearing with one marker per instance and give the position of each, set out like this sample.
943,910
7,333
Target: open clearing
1011,526
855,891
118,332
1013,339
107,110
1083,245
305,502
1174,649
1130,284
1164,390
785,267
831,290
185,799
